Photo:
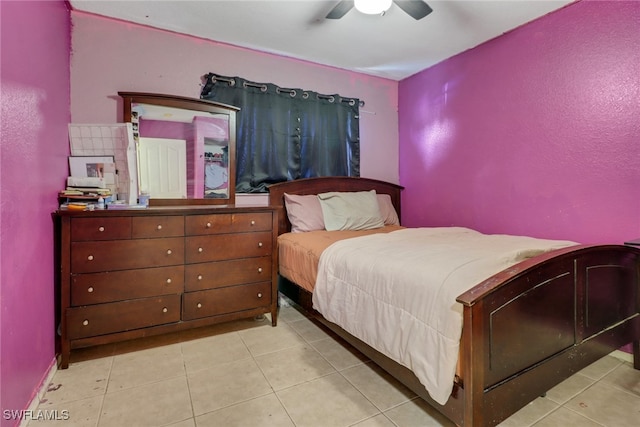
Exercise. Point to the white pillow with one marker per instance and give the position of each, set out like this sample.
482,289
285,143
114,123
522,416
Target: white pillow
357,210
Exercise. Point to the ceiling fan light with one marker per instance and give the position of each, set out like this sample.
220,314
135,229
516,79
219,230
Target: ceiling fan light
373,7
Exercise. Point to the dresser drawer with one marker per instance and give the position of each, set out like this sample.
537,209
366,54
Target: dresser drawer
246,222
218,247
207,224
90,257
100,228
211,275
157,226
231,299
122,316
227,223
95,288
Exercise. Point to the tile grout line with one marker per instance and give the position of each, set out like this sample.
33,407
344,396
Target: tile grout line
186,375
310,343
579,414
288,322
104,395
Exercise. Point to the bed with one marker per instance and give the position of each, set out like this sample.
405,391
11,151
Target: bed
525,329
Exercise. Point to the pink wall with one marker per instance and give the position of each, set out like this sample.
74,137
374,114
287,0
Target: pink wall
33,167
111,56
536,132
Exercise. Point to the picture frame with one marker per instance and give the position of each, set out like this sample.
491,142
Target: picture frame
92,166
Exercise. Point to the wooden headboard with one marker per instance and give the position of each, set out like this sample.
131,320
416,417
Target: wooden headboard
309,186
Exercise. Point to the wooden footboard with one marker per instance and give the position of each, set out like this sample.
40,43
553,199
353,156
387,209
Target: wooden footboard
532,326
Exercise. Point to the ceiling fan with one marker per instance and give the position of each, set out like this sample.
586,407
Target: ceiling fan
417,9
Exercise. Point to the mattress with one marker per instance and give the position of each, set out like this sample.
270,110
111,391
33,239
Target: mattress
454,258
397,291
299,253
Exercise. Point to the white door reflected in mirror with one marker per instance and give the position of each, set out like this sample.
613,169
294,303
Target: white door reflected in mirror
162,167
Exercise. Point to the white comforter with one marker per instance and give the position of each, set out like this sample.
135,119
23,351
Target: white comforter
397,291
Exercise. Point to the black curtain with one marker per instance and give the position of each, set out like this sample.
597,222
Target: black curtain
286,134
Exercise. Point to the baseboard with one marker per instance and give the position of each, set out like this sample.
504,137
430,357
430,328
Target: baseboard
42,389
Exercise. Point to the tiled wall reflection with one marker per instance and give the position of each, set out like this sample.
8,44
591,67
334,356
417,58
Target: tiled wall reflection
106,140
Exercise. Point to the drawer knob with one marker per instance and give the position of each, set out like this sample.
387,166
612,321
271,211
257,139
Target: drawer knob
90,257
208,225
199,305
86,322
200,249
165,309
101,229
90,289
159,227
199,276
169,252
168,281
260,244
259,269
253,222
259,294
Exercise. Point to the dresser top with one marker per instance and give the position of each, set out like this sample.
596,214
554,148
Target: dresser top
168,210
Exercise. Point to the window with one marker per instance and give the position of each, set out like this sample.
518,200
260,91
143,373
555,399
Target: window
287,134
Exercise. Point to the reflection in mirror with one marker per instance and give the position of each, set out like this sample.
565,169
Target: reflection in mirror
185,147
174,144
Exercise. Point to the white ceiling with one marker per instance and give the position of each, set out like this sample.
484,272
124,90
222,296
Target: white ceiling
392,46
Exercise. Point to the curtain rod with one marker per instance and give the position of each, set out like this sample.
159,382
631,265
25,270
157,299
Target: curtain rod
263,87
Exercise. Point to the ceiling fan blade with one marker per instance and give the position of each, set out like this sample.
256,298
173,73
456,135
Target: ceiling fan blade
340,9
417,9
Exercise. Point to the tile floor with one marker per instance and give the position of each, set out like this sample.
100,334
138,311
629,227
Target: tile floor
247,373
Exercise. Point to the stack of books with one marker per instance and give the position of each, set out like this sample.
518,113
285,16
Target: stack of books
83,196
92,183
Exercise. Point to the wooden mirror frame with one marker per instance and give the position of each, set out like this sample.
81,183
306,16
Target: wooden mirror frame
192,104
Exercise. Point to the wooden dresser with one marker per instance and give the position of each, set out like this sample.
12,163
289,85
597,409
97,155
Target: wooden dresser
127,274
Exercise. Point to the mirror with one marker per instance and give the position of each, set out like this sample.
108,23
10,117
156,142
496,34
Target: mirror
185,147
